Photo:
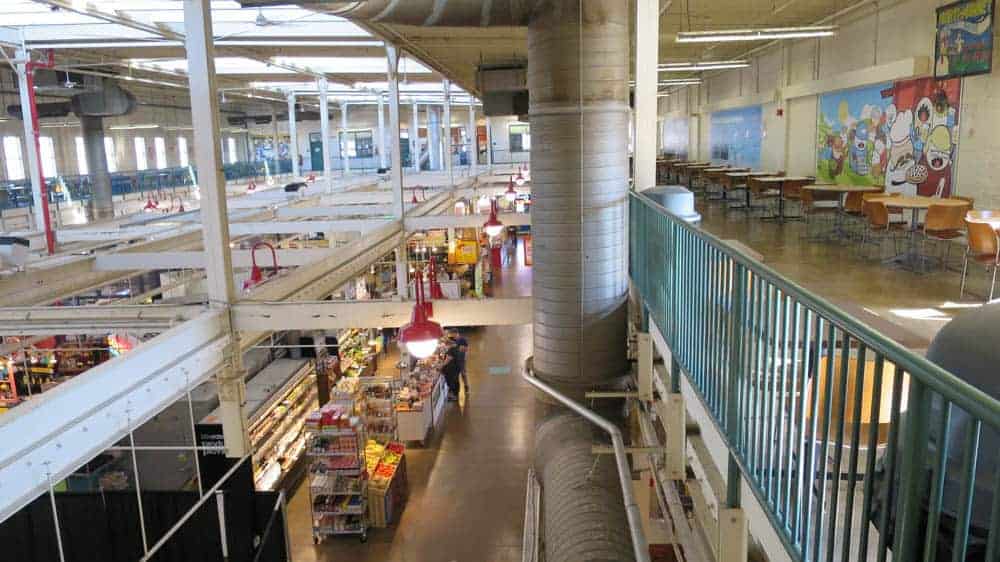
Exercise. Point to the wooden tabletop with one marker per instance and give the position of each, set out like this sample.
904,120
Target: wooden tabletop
918,201
777,179
843,188
749,174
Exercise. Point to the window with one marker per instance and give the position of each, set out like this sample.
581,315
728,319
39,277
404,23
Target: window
81,156
231,148
140,154
182,150
47,152
160,146
109,149
520,137
358,144
12,154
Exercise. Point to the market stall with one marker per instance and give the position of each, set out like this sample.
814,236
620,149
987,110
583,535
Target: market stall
420,401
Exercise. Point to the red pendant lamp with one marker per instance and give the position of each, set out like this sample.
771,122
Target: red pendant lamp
256,275
493,226
421,335
511,193
519,179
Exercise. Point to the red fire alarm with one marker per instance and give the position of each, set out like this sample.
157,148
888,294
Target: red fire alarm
780,112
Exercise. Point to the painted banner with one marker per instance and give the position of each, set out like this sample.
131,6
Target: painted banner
964,39
735,136
900,135
675,137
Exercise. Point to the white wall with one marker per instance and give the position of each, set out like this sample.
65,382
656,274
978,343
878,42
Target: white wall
877,34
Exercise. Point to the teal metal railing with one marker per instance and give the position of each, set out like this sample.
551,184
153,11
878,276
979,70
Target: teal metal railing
857,448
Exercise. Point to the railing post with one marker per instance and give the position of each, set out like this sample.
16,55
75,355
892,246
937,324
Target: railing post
737,321
670,409
911,479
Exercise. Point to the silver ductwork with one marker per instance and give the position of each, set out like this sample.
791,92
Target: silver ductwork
581,498
445,13
578,79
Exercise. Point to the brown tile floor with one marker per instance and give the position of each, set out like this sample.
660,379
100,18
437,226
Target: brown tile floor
467,485
836,271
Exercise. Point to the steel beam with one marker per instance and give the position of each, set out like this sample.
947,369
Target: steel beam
90,319
465,221
331,315
304,227
55,433
333,212
647,47
345,160
293,138
196,260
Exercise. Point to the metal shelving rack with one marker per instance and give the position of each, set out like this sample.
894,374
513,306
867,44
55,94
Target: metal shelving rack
338,495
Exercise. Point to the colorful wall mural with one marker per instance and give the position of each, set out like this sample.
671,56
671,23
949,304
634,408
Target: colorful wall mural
964,44
735,136
900,135
675,136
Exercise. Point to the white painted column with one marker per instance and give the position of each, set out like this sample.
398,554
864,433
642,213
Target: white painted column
383,158
324,131
489,144
447,131
647,45
343,138
396,174
415,136
473,139
30,143
293,138
274,141
215,223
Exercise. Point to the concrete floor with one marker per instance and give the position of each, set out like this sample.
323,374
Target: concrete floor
467,486
918,303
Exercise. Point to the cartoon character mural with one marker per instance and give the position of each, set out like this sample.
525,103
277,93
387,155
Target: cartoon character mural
902,135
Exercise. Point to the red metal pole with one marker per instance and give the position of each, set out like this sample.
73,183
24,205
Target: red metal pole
29,69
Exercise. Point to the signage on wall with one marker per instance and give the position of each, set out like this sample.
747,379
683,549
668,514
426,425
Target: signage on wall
735,136
964,41
902,135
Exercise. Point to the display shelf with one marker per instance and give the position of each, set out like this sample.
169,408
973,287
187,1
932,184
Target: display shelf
338,488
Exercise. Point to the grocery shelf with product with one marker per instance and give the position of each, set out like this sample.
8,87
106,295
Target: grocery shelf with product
379,408
278,399
358,350
338,479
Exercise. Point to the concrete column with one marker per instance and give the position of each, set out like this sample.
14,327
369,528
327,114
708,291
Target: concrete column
383,158
434,138
396,175
473,140
214,215
343,138
647,46
324,131
447,130
293,138
31,157
102,205
415,136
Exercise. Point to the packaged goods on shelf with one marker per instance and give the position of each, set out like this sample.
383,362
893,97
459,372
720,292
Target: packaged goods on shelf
338,484
379,409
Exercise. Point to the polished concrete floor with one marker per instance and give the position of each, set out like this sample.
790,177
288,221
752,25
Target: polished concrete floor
467,485
836,270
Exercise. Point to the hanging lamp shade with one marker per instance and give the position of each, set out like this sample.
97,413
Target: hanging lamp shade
511,193
493,226
421,335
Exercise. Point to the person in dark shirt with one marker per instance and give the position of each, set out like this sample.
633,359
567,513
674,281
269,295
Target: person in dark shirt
462,345
452,369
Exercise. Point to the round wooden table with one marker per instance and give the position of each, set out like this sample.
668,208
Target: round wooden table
843,190
991,218
781,183
911,259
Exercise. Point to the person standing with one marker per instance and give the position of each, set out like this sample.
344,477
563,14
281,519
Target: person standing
452,369
462,345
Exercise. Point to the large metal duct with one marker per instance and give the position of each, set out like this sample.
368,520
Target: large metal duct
446,13
578,79
580,494
92,107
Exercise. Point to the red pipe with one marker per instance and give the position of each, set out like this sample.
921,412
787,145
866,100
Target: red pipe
29,69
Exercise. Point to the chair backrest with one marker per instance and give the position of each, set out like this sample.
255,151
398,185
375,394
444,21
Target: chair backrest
945,217
877,214
982,238
970,200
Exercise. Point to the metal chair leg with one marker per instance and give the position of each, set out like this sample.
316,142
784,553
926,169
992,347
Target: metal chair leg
993,283
965,271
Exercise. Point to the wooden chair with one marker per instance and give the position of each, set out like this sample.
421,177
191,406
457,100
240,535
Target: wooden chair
818,207
879,226
970,200
943,224
984,249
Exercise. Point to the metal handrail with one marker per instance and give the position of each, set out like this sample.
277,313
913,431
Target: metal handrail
762,353
639,545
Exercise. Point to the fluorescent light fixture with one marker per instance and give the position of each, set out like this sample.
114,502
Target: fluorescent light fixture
663,94
756,34
679,82
706,65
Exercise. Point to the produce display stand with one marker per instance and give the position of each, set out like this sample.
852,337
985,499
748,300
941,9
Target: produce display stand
388,487
380,413
338,482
